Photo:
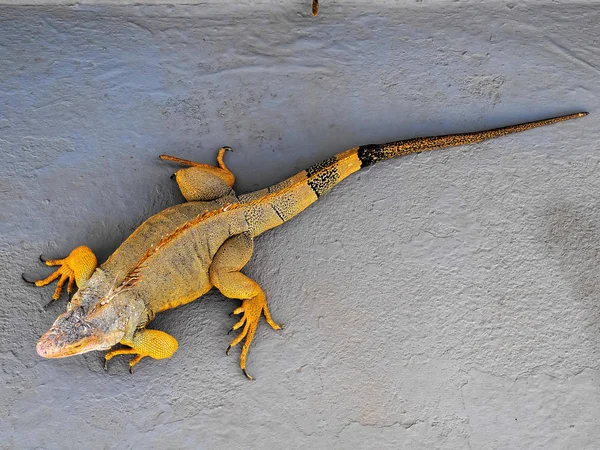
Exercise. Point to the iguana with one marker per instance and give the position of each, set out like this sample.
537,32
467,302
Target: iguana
179,254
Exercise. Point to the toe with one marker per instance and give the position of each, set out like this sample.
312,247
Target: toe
239,337
239,324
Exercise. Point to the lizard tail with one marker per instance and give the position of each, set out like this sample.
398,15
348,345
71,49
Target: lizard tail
370,154
279,203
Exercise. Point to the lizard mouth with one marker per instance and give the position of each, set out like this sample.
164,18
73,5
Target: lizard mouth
70,335
51,345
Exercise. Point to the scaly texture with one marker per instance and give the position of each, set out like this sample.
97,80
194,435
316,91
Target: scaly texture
179,254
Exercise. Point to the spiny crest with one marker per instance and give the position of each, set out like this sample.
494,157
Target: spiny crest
134,275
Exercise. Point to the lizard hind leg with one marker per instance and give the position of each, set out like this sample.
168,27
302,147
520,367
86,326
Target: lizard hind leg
225,275
78,267
201,182
153,343
252,308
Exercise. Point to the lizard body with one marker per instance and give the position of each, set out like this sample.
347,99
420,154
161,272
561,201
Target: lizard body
179,254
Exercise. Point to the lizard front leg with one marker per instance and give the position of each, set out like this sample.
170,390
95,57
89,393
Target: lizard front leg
225,275
76,268
201,182
153,343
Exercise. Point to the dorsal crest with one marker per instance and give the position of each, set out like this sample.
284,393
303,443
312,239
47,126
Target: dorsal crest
134,275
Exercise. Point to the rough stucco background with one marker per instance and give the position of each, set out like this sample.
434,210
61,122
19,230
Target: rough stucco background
444,300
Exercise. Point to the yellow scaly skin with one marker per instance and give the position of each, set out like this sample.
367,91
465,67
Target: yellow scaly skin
179,254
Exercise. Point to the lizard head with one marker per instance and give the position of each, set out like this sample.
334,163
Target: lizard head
71,334
82,329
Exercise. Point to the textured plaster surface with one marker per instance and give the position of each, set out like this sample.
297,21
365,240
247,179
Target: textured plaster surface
444,300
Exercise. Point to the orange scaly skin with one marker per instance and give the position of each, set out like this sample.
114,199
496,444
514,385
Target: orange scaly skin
179,254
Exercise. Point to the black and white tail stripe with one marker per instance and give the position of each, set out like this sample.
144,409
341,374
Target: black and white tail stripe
323,176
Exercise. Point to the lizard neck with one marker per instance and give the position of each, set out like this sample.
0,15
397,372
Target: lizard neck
136,312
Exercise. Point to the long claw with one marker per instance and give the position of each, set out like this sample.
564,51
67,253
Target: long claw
131,370
49,304
26,280
247,375
42,259
228,349
105,365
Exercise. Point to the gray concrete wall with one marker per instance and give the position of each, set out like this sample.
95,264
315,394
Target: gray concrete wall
444,300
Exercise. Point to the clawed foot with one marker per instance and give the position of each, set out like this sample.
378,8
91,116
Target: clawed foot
153,343
252,309
65,272
123,351
79,265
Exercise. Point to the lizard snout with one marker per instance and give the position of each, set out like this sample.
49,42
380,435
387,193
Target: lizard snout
47,344
69,335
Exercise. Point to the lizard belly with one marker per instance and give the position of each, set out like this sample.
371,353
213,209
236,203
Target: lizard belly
185,299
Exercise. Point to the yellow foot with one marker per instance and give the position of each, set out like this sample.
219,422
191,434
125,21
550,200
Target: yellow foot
75,268
153,343
123,351
252,309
